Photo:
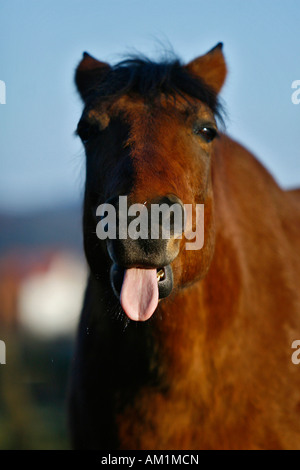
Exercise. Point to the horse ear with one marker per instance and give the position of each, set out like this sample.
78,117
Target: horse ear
89,73
211,67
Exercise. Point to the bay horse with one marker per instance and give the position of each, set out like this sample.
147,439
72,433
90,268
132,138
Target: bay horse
200,357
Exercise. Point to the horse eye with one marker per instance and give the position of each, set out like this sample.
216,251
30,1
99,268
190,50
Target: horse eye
86,131
207,133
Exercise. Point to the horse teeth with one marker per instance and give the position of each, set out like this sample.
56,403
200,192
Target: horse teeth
160,274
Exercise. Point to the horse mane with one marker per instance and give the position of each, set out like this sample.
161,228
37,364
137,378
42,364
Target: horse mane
149,79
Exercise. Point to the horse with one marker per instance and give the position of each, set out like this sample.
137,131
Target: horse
182,348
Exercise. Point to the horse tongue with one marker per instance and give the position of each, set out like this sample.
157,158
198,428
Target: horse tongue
139,293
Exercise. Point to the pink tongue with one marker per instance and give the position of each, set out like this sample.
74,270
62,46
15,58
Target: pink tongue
139,293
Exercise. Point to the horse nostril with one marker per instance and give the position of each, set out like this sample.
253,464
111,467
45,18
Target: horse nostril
169,199
168,211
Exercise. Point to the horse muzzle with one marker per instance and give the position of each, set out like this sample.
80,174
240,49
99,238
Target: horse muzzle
141,273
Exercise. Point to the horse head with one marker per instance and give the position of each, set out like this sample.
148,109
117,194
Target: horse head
149,131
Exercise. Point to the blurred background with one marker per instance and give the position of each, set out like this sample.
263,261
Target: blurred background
42,268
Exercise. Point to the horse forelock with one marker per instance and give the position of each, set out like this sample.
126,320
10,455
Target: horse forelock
149,80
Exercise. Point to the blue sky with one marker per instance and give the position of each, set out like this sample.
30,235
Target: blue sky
41,42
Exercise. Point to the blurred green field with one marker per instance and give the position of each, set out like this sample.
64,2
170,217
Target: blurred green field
33,392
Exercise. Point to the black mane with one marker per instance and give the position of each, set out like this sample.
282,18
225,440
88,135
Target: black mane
150,80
